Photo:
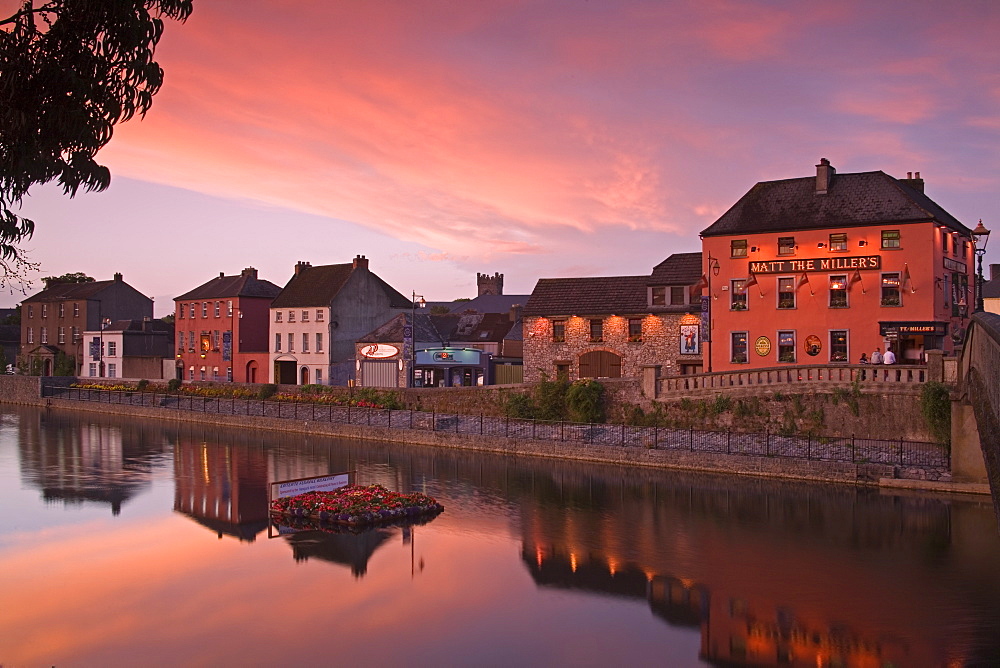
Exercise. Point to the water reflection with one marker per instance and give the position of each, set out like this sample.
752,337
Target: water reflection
759,572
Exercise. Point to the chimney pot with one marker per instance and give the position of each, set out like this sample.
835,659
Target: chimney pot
360,262
824,176
118,276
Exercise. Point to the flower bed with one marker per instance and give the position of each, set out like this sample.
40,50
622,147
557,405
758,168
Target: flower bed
356,505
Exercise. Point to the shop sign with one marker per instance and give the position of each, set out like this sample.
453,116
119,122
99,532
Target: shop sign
762,346
813,345
379,351
955,265
448,356
895,328
816,264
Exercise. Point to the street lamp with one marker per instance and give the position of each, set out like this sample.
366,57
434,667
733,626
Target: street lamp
417,300
980,236
713,270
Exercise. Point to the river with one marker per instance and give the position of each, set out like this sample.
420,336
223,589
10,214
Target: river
128,542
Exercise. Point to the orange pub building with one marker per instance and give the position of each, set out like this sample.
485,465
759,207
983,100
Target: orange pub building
819,270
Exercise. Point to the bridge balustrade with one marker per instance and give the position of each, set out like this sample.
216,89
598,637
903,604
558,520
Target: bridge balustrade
900,374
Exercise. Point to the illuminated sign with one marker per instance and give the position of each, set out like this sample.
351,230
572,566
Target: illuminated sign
934,328
379,351
449,356
762,346
816,264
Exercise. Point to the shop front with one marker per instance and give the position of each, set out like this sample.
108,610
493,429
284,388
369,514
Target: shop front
451,367
910,339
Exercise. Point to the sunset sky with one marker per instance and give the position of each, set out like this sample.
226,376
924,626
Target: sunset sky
532,138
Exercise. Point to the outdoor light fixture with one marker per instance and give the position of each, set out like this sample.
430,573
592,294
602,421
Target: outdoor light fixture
980,236
821,245
862,243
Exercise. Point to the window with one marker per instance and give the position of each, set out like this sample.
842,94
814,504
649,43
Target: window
76,334
319,376
76,310
291,316
229,372
180,342
319,315
658,296
786,245
31,335
890,239
215,373
739,346
203,374
890,289
677,296
738,248
558,331
45,310
180,312
319,345
838,345
838,291
305,316
216,340
277,316
305,342
112,371
786,346
191,310
277,343
191,373
204,311
229,310
62,335
218,309
31,311
944,240
62,310
738,294
635,329
954,245
92,369
291,342
838,242
112,348
786,292
191,341
596,330
44,335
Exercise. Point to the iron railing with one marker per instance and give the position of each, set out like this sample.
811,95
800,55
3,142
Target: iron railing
820,448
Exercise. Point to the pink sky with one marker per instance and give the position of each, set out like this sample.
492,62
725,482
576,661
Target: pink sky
533,138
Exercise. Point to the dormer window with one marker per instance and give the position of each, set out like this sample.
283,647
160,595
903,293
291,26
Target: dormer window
658,296
677,295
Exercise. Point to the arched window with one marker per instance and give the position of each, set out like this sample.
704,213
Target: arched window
600,364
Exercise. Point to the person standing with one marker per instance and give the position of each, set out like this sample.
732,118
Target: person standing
889,357
877,356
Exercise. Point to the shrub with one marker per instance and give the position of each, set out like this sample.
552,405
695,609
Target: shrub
935,406
551,399
369,396
173,384
141,385
585,401
266,391
520,406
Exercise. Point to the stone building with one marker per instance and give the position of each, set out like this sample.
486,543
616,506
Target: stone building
613,326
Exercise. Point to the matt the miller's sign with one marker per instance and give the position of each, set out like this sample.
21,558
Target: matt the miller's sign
816,264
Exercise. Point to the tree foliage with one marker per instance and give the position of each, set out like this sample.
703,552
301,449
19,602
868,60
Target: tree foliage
70,70
75,277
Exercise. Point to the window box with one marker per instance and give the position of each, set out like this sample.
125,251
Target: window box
739,359
786,357
838,303
786,303
890,301
635,339
597,339
738,306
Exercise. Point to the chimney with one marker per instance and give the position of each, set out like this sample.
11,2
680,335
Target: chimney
489,285
515,312
118,277
994,271
301,266
914,181
249,271
360,262
824,176
222,274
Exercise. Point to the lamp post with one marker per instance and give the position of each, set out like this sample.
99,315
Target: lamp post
980,236
713,270
414,302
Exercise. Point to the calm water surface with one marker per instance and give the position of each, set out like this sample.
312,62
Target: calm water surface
146,543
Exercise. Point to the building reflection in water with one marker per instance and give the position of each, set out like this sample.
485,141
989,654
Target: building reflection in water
771,573
73,462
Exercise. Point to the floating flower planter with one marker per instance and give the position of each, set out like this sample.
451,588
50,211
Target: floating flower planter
356,505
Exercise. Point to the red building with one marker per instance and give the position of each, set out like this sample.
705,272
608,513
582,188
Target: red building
821,269
222,329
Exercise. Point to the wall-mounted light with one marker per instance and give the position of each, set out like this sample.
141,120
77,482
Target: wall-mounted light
821,245
754,249
862,243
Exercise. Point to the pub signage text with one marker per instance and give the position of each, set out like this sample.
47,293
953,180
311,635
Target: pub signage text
816,264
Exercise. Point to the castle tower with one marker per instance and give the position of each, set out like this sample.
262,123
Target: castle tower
490,285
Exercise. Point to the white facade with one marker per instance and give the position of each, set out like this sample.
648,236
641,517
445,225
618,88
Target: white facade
301,336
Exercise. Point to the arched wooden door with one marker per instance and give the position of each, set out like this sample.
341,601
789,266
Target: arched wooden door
600,364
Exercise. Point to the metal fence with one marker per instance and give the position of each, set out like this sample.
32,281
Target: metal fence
834,449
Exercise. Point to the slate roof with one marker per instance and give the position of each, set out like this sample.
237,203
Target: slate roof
852,199
317,286
678,269
991,289
62,291
443,328
245,284
588,296
489,304
133,326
